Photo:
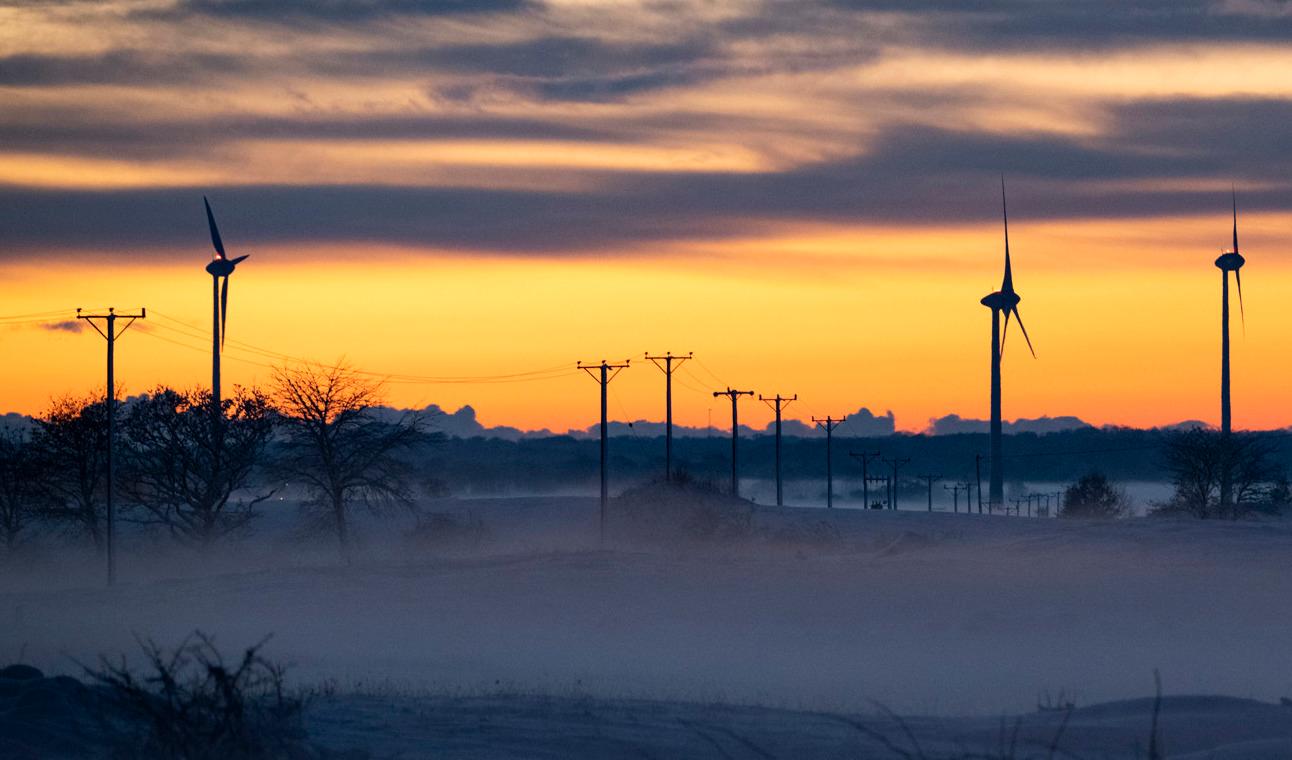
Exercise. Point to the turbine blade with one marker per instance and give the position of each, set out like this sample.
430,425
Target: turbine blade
1242,315
1019,317
224,309
239,259
1007,284
1004,333
215,231
1234,196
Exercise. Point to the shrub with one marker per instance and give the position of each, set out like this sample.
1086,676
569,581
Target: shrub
191,704
1093,496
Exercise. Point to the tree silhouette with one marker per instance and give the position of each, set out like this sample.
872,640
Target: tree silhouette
70,442
19,487
1197,460
1093,497
184,472
336,445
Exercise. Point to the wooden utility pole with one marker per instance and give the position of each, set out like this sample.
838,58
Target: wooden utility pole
864,457
667,363
778,403
603,375
734,395
929,479
110,332
895,463
954,488
828,425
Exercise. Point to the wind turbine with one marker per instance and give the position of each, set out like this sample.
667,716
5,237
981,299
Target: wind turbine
1003,301
220,268
1229,261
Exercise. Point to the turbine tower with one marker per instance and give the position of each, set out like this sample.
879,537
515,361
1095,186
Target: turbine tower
220,268
1229,261
1004,301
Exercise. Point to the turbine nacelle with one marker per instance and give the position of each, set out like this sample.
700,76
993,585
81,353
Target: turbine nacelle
1230,261
1001,300
222,267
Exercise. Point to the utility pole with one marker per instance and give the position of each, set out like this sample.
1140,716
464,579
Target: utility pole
778,403
929,479
110,332
954,488
864,457
828,425
895,462
734,395
667,363
1058,502
977,468
603,375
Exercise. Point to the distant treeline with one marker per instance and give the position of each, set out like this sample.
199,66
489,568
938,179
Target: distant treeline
489,465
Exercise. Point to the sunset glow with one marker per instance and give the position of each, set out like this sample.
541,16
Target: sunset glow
809,201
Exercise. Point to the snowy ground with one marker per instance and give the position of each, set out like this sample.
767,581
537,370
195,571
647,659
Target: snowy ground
540,643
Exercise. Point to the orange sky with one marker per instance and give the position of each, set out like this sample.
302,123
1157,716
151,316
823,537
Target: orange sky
614,178
1127,338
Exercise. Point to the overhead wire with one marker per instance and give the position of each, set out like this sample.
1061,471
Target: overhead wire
545,373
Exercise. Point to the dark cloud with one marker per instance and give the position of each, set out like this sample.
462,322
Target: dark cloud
77,132
285,11
954,424
911,175
1100,25
70,325
115,67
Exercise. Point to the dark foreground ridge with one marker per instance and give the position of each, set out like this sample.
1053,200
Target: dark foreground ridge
62,717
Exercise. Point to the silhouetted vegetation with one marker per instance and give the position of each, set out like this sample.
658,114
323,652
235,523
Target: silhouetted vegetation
19,488
666,511
183,470
338,448
1094,497
1198,461
70,443
190,704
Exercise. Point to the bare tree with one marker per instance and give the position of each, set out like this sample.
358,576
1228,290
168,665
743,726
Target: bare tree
70,441
183,471
19,491
1198,459
335,444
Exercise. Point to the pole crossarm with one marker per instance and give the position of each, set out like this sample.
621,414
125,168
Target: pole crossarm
828,424
670,361
778,402
593,369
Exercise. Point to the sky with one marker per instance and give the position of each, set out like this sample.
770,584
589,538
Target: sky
470,196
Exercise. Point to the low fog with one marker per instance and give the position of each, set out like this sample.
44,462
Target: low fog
800,608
